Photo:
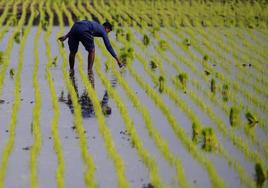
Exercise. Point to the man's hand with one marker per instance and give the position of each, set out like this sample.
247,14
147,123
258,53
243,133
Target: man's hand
119,63
63,38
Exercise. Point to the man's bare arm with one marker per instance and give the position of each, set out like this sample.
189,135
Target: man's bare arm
63,38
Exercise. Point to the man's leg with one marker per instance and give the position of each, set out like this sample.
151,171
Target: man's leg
71,60
91,57
73,43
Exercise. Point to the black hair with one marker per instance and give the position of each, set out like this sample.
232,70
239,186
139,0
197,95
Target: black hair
108,25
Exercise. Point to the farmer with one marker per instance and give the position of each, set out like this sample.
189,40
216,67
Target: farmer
85,31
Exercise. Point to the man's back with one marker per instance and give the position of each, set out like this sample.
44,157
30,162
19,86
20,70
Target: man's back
95,29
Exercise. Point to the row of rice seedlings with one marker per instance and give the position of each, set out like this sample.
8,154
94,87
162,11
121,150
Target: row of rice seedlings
209,144
110,146
36,131
8,49
87,158
251,98
8,147
54,100
153,132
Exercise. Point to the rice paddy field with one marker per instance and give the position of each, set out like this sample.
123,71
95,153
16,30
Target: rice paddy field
188,109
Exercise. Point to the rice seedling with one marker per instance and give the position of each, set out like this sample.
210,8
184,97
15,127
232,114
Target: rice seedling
213,86
163,44
234,117
197,133
153,64
252,120
183,77
209,140
259,175
12,73
146,40
225,91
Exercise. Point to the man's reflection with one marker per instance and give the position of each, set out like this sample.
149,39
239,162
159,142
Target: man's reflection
84,100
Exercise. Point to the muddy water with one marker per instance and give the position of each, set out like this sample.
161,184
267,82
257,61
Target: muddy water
136,172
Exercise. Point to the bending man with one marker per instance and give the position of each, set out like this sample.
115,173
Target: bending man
85,31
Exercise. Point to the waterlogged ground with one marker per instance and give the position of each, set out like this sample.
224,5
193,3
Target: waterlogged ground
136,171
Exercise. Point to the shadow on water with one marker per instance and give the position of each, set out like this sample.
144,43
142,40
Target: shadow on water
85,101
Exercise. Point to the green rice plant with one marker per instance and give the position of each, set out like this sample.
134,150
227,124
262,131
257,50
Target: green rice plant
252,120
153,64
36,131
205,57
54,61
186,42
259,175
146,40
197,133
163,44
12,73
225,91
183,77
209,140
234,116
126,55
17,37
2,57
44,24
213,86
161,84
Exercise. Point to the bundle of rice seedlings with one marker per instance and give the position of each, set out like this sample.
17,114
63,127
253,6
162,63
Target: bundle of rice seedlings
234,116
209,140
252,120
146,40
213,86
197,133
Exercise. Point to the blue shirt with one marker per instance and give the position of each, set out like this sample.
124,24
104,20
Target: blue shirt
96,30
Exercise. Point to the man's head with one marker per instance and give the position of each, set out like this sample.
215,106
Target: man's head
108,26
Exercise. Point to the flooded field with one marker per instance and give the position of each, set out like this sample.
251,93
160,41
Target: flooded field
188,109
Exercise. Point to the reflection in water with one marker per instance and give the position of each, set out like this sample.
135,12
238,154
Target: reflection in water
84,100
